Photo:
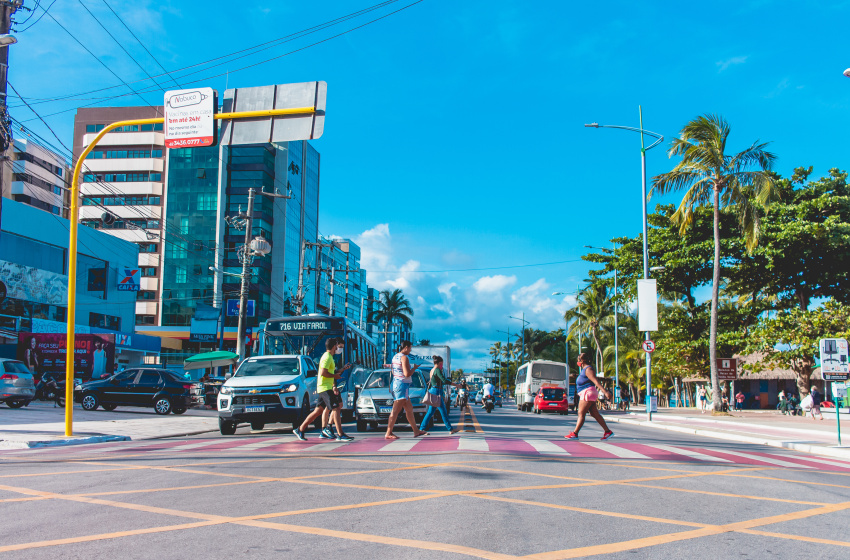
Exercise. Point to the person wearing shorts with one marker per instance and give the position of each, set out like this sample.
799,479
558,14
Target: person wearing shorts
328,395
400,389
588,389
703,398
816,400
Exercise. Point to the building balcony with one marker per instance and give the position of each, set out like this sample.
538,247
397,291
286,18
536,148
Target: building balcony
151,284
133,188
127,139
37,171
32,191
146,308
149,259
129,165
135,212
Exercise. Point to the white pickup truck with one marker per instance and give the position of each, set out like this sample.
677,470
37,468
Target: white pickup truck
267,390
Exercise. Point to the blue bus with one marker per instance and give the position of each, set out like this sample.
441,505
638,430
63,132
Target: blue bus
307,334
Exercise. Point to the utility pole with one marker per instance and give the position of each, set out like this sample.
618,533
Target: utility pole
299,296
8,7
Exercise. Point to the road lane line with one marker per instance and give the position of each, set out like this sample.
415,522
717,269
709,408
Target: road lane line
617,451
546,447
690,453
472,444
400,445
261,444
475,423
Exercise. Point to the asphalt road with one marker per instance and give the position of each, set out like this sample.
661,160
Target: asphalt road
507,486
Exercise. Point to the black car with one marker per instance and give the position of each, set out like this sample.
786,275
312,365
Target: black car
162,389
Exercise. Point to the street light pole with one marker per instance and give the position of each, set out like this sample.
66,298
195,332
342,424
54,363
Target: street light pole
508,356
524,323
658,139
616,328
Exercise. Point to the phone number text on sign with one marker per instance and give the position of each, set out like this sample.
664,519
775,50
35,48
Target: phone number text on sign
190,142
189,121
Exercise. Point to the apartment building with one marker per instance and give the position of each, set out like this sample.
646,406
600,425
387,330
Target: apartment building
36,176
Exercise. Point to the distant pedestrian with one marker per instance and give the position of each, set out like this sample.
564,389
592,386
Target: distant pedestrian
435,388
816,400
739,400
586,388
328,394
703,398
400,389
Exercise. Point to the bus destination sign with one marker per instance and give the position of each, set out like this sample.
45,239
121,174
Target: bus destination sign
302,325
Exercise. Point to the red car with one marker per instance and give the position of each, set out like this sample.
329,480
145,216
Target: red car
551,399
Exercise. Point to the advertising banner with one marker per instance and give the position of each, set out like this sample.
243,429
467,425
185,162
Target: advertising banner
94,355
33,284
189,118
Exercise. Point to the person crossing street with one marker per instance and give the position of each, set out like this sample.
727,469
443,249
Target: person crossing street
586,387
329,398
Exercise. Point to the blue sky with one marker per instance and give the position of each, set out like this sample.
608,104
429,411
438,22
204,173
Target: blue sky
454,135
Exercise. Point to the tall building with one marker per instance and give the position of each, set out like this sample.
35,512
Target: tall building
36,176
122,181
340,274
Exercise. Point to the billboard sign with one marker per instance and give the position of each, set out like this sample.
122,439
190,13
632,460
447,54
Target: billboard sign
727,369
834,359
647,293
131,280
189,119
94,354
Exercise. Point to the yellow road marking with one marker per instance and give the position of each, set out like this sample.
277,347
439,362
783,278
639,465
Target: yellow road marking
793,537
475,423
725,495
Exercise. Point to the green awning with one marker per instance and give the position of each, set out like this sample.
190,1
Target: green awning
219,358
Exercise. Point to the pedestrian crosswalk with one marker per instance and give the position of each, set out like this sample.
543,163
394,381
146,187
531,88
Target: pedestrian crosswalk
632,450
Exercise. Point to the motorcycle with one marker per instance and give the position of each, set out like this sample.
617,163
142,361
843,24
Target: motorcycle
48,389
489,403
462,398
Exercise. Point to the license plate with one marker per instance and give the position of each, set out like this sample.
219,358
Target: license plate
553,404
255,409
385,410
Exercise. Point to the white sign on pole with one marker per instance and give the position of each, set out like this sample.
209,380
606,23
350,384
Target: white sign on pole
834,359
189,119
839,389
647,305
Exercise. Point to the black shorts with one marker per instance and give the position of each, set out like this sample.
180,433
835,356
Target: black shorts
329,400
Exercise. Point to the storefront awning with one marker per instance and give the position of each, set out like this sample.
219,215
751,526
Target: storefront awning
219,358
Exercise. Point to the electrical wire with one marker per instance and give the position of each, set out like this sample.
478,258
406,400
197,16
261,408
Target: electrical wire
39,17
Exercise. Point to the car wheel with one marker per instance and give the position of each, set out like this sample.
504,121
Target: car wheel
162,406
109,407
60,400
90,402
16,404
179,410
257,426
374,425
362,426
226,427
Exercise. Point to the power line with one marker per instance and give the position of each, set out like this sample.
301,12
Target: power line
39,17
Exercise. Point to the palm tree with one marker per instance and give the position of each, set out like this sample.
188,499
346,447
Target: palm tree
496,354
392,307
741,182
594,312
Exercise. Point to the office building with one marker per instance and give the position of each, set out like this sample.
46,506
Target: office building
34,279
122,190
37,176
340,275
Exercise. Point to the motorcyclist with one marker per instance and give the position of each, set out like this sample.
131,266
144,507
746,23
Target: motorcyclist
462,393
489,391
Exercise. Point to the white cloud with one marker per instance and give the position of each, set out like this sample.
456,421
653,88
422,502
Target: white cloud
735,60
492,284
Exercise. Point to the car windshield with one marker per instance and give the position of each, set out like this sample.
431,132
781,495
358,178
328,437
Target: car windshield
381,379
553,394
273,366
15,367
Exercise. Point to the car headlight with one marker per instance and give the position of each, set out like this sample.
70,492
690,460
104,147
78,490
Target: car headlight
289,388
365,402
225,390
78,387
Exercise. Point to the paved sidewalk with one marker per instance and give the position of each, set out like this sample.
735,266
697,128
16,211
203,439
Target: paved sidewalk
765,427
40,424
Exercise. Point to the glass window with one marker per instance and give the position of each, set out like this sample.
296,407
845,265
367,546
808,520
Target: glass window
549,371
274,366
148,378
158,127
181,274
521,375
148,271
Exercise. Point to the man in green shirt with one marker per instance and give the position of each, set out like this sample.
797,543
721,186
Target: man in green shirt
328,394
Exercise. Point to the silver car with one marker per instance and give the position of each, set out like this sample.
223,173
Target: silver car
17,387
375,403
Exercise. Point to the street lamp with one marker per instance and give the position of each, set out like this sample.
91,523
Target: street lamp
616,330
847,72
7,39
524,323
658,139
508,367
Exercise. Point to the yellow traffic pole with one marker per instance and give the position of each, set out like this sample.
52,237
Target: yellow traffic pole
70,340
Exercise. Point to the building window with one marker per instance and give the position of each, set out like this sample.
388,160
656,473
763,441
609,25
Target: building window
148,271
105,321
146,294
145,319
148,247
180,274
206,201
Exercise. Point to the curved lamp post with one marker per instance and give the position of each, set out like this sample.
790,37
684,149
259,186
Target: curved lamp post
658,139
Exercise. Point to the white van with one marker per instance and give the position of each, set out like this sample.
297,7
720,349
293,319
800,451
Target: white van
530,376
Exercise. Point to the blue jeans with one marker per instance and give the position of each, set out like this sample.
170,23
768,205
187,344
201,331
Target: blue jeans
431,409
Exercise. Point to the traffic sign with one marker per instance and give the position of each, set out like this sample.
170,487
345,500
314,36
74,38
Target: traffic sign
648,346
727,369
189,118
834,359
233,308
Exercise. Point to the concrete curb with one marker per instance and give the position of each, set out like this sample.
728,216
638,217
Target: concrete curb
837,452
27,444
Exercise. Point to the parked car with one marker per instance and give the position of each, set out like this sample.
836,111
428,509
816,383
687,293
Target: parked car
375,402
17,387
161,389
268,389
551,399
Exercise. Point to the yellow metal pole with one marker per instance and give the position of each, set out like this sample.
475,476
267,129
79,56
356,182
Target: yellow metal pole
70,340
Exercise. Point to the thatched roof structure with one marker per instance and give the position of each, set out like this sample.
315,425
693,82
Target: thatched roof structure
768,373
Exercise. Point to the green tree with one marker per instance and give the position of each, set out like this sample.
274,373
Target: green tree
790,339
592,314
740,182
392,308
